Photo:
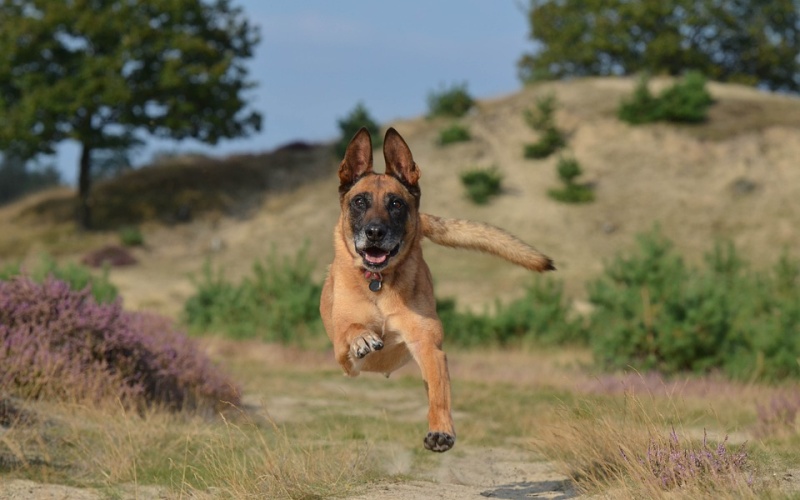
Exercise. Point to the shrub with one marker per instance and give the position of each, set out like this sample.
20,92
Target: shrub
542,120
550,142
642,107
653,312
59,343
453,102
674,465
568,169
352,123
543,116
686,101
482,184
131,236
76,276
541,316
454,133
279,302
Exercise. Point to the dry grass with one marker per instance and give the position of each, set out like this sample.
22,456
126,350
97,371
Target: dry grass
116,451
305,431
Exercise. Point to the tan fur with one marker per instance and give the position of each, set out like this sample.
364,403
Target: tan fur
381,331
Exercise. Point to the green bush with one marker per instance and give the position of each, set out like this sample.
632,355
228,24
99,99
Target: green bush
541,317
568,169
76,276
653,312
572,193
131,236
454,133
686,101
352,123
543,116
278,301
452,102
542,120
482,184
550,141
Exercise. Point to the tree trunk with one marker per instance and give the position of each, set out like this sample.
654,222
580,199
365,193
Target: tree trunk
84,186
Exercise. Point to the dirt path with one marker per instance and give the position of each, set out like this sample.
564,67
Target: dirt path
478,473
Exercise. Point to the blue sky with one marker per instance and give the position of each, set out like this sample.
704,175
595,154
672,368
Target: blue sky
318,58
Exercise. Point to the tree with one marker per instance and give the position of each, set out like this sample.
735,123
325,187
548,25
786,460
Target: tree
745,41
104,72
358,117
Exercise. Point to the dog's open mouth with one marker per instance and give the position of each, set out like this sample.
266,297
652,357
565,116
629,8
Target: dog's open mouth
377,258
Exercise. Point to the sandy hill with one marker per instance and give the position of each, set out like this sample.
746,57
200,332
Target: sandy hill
735,177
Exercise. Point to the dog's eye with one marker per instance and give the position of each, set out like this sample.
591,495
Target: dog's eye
360,203
396,204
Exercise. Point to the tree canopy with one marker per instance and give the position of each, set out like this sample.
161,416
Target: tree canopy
105,72
746,41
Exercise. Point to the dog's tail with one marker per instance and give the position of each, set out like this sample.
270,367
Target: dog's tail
471,235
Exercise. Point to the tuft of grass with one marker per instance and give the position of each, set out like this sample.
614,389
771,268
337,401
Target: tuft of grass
134,454
633,449
482,184
453,102
454,133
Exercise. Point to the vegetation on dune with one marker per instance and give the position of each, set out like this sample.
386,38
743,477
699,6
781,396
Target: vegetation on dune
482,184
454,133
542,120
686,101
453,102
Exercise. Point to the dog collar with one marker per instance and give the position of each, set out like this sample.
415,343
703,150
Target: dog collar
375,280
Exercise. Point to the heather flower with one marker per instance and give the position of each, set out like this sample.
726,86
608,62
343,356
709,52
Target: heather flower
60,343
673,465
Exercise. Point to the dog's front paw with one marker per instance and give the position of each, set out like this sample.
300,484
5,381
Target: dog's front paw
365,344
439,441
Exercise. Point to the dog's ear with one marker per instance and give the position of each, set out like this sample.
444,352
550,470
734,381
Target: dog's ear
399,162
357,160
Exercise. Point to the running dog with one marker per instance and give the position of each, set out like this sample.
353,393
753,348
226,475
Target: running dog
377,302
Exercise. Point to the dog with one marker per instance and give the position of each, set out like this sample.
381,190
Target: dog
377,302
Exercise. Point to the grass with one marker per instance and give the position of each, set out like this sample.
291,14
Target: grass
307,432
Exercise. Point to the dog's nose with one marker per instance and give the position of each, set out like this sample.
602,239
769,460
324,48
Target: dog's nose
375,232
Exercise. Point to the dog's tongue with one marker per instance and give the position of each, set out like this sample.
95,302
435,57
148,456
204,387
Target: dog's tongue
375,255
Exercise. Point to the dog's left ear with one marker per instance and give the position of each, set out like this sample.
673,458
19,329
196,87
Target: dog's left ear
399,162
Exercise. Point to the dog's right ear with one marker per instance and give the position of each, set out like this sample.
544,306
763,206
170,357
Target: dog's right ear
357,160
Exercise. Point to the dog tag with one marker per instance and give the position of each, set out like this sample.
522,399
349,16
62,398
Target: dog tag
375,285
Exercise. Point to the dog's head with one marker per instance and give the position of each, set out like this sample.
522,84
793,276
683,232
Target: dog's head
379,210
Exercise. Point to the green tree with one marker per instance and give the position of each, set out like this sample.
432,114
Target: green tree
745,41
104,72
358,117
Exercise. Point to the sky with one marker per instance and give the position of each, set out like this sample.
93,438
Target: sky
318,58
